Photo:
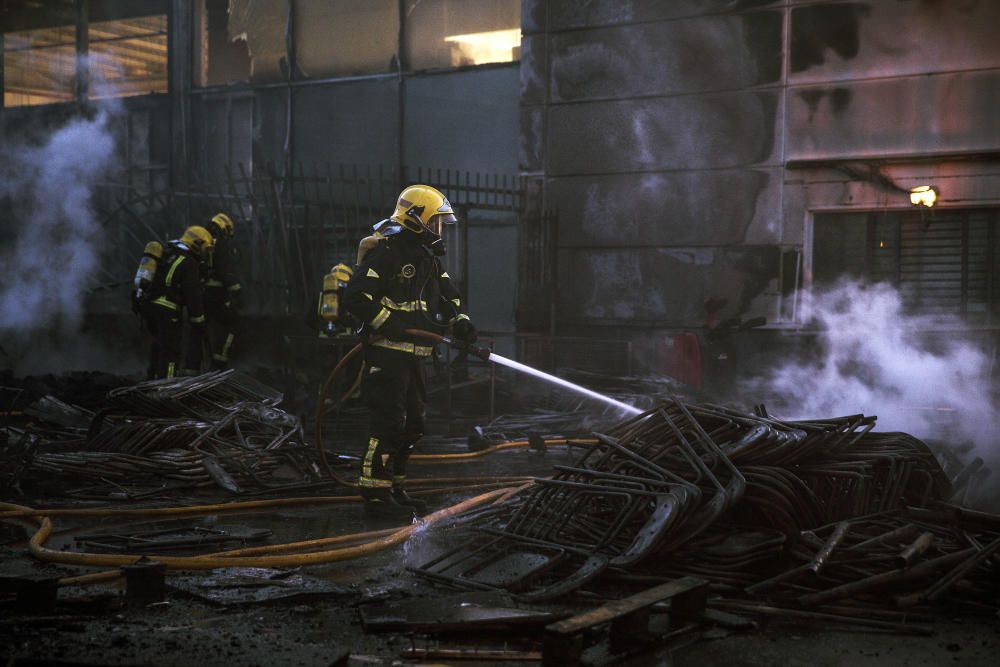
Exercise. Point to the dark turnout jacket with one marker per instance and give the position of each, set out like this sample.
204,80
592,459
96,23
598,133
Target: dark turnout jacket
401,285
223,269
177,283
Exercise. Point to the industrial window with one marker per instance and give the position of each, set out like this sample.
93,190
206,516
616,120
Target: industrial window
942,261
39,66
219,57
240,40
456,33
128,56
345,37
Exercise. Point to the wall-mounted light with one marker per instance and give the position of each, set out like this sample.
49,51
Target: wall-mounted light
923,195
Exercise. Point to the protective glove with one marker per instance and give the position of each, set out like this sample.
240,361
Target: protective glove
465,331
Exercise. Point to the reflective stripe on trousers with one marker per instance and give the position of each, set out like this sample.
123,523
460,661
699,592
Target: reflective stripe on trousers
367,478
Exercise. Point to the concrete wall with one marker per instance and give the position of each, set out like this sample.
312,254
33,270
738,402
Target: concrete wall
663,133
685,144
465,120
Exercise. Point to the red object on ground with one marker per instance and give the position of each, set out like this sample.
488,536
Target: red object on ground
680,358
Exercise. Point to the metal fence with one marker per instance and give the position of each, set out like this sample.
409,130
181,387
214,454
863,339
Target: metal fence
290,228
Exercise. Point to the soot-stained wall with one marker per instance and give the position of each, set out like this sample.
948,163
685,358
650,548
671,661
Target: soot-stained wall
685,144
655,128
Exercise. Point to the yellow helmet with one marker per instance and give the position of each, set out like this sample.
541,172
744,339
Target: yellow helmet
423,208
225,223
153,249
198,240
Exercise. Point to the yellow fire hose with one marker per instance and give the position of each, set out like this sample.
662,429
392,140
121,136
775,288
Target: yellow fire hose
370,542
239,507
379,540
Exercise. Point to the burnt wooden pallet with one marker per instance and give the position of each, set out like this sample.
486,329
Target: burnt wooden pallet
628,621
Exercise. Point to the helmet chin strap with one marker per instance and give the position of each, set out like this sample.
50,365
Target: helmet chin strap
427,239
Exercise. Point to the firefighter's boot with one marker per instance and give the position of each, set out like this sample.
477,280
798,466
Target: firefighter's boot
399,462
381,504
401,497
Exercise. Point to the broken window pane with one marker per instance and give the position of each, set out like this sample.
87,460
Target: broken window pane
128,57
39,66
345,37
456,33
261,25
218,58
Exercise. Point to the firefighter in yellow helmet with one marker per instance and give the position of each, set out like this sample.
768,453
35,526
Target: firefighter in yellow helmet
399,284
223,291
176,286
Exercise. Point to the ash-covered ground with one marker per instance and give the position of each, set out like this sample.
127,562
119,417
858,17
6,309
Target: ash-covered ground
375,609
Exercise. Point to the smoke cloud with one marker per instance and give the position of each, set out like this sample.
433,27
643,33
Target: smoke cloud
51,250
923,375
57,239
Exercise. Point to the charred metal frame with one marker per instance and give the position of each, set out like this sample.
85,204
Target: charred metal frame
674,491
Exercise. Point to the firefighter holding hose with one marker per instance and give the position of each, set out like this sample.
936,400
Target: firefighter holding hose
399,284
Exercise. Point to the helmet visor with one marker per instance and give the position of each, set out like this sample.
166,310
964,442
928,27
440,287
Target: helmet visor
437,222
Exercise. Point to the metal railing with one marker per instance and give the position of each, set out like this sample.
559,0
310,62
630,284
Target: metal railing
290,228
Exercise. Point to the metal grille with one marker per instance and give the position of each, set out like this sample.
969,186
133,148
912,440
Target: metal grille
942,261
292,228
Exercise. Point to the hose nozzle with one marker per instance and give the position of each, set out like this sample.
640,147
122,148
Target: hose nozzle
481,352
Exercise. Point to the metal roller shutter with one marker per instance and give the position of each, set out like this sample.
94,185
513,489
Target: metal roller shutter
942,261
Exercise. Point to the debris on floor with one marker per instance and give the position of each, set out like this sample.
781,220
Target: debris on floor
170,539
219,429
800,513
688,522
243,585
450,613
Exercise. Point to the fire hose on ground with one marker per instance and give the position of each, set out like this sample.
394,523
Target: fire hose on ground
371,541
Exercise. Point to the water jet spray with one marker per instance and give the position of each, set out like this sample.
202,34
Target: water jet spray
494,358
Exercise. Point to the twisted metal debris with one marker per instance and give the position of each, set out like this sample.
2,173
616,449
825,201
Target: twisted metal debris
805,513
221,428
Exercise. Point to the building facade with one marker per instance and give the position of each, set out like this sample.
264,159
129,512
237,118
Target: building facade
631,169
708,159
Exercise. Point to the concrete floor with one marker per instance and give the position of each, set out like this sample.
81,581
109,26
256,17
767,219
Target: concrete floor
95,625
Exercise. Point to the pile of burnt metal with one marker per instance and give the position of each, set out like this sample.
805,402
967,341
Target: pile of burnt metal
217,429
821,517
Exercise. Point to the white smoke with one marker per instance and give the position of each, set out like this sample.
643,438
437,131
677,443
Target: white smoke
57,247
874,358
53,242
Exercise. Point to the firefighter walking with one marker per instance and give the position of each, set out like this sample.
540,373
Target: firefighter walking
176,286
399,284
223,292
